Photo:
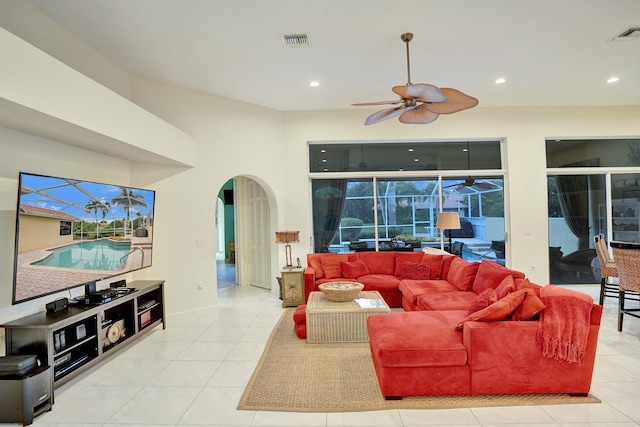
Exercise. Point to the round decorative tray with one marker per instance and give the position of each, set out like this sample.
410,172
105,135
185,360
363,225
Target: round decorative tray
341,291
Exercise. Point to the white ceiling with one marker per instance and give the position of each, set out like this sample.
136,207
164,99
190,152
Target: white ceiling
552,52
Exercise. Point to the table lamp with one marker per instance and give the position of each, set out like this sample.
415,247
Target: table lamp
448,221
287,237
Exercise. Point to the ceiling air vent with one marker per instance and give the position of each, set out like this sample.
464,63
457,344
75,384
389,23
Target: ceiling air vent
296,40
630,34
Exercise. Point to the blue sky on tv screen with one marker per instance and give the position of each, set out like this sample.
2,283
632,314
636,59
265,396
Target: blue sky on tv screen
83,200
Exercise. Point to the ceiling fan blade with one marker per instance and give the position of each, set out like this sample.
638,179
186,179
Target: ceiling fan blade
421,91
395,101
456,101
418,115
384,115
484,185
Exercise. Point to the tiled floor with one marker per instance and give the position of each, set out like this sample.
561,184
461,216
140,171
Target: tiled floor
194,372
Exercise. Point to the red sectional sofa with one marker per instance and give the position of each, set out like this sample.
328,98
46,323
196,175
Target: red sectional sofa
468,327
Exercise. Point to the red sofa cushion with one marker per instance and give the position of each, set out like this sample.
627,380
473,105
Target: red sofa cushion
313,260
446,265
417,339
532,304
499,310
461,273
402,258
300,321
434,262
380,262
411,289
490,274
415,271
446,301
379,282
300,314
331,265
354,269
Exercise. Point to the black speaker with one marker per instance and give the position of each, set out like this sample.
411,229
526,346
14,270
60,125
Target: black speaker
57,305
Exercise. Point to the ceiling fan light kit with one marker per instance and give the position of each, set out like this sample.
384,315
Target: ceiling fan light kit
420,103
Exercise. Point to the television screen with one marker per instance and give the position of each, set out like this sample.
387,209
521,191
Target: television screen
71,232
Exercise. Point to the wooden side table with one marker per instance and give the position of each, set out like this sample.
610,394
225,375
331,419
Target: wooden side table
292,287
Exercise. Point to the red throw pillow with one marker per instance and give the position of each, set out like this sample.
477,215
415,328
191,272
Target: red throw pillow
331,265
499,310
401,258
462,273
415,271
434,262
353,270
483,300
532,304
490,274
505,287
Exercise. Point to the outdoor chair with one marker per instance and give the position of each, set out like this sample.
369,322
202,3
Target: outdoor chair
627,258
608,269
457,248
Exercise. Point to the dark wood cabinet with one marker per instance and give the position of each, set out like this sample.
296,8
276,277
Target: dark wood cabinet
75,339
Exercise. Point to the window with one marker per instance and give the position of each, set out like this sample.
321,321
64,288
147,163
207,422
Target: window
386,196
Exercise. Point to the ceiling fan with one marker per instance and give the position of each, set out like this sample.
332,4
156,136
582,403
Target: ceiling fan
470,183
420,103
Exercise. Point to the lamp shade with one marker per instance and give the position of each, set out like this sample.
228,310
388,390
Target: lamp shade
448,221
287,236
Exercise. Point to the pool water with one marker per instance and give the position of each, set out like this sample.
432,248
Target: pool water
89,255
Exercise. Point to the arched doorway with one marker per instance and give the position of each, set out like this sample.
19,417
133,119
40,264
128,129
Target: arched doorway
252,223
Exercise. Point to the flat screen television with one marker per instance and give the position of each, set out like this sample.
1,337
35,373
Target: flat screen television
71,233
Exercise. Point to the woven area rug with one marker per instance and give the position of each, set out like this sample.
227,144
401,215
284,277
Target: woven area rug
293,376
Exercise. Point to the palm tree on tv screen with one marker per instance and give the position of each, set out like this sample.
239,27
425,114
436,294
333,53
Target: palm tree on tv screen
128,199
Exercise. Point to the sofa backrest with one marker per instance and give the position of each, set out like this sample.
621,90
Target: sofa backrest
379,262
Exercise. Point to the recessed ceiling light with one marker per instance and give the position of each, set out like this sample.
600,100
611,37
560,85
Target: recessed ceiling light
323,151
314,84
410,149
416,160
613,79
500,81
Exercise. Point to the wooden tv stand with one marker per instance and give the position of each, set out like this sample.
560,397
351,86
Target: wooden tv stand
75,339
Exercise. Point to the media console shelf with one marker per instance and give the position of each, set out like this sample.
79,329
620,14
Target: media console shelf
75,339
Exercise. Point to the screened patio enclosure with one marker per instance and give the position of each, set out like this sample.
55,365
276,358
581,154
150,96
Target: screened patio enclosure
402,214
381,196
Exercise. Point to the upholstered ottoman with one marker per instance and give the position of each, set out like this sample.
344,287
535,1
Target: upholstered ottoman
300,321
419,353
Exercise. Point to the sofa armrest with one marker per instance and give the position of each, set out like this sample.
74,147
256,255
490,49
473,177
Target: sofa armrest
309,282
504,358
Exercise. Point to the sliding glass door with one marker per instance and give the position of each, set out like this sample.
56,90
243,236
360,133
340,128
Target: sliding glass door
593,188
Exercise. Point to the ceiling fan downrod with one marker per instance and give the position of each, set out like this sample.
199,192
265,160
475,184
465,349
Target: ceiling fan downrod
406,38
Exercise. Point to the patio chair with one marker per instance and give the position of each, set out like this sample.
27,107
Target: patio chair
608,269
457,248
627,258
